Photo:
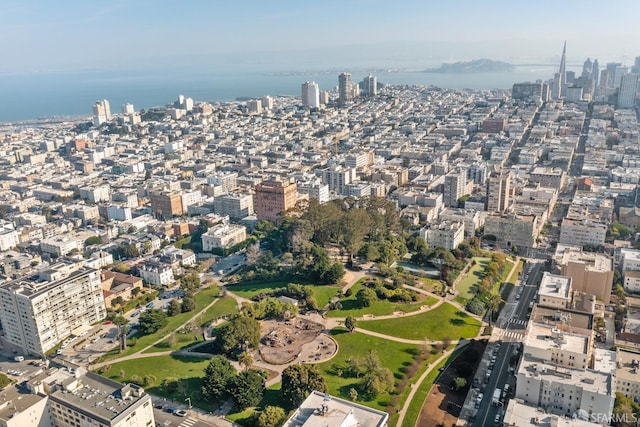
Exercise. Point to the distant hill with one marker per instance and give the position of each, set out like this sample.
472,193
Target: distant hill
475,66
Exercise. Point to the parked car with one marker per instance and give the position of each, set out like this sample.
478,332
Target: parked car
180,412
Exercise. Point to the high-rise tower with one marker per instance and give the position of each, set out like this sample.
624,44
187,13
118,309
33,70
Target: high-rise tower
563,70
310,95
344,88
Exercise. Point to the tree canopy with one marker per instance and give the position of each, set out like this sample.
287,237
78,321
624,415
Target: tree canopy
240,333
216,377
152,320
298,381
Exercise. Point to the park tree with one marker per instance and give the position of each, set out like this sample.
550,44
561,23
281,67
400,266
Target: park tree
174,308
252,253
353,394
246,388
271,416
245,359
298,381
216,378
493,303
93,240
188,303
459,383
350,323
190,282
152,320
365,297
241,332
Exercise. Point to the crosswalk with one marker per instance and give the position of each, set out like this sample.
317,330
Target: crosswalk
518,322
513,334
188,422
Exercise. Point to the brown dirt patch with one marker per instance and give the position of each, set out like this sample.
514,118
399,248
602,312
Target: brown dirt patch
443,404
282,341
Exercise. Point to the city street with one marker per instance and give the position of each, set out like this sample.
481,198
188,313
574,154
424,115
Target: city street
507,337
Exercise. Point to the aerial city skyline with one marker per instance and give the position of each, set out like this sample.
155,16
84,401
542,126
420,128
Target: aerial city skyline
310,214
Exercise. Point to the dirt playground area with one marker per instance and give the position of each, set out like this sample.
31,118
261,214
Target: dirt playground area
285,341
443,403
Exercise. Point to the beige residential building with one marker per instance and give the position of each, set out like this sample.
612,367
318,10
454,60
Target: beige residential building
499,192
590,272
223,236
628,373
513,230
582,232
38,313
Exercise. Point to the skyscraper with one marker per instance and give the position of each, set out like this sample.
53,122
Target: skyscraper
127,108
628,90
587,68
563,70
595,74
310,94
499,192
101,112
344,88
370,85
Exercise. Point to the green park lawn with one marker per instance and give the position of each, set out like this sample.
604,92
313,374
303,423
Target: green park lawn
468,285
393,355
188,370
272,397
350,306
514,276
138,342
443,322
323,293
223,307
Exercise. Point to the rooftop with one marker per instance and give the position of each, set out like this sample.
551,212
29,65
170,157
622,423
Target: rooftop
547,336
521,415
555,286
322,410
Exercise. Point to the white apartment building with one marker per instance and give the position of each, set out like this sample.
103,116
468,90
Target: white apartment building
582,232
156,273
38,313
317,191
310,95
226,181
563,390
235,205
632,281
119,213
555,291
8,237
446,235
338,177
472,219
60,245
223,236
97,193
190,198
629,260
550,344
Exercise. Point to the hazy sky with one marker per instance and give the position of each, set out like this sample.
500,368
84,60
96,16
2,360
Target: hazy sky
45,35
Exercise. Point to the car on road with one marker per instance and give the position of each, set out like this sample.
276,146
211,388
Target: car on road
180,413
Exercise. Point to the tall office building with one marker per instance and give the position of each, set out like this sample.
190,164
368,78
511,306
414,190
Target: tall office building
611,69
628,91
595,74
101,112
370,85
37,313
127,108
498,192
563,70
274,197
310,94
345,92
454,188
587,68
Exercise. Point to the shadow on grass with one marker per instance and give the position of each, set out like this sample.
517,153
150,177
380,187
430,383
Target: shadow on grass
460,313
338,331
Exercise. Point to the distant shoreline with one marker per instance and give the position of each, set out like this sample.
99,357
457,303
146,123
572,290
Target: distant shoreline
475,66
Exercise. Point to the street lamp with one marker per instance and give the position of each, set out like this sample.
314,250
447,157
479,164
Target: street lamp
188,399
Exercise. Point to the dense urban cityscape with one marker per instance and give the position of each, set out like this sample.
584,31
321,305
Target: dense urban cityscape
369,254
